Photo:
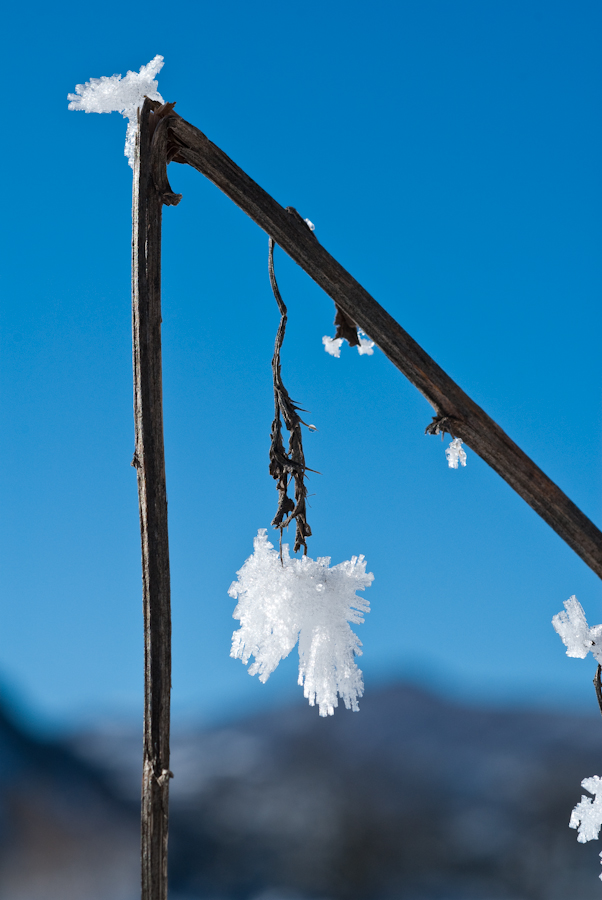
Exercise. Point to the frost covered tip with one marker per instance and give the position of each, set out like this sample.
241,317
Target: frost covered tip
576,635
280,603
455,454
123,94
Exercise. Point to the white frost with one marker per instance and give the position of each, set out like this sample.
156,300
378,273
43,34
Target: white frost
365,346
120,94
302,600
587,815
580,639
576,634
332,345
455,454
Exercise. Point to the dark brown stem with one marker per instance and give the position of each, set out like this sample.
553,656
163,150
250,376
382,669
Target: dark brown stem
149,461
470,422
598,686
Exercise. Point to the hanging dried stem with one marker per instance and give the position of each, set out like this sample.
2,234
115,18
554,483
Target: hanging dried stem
346,328
286,465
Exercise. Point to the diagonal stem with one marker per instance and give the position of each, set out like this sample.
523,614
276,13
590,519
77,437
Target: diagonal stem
450,402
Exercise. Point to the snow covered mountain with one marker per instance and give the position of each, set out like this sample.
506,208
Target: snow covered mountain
414,798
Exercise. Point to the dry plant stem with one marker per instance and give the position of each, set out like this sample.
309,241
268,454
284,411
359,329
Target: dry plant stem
471,423
150,465
286,465
345,328
598,686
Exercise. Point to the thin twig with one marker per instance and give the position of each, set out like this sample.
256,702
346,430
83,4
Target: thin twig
598,686
286,465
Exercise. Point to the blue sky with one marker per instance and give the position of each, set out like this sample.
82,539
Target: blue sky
449,157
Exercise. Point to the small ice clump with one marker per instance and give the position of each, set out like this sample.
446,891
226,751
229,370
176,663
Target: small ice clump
280,603
587,815
365,345
576,634
310,225
455,454
332,345
118,94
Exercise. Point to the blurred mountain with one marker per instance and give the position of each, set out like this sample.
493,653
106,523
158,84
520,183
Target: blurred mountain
64,833
414,798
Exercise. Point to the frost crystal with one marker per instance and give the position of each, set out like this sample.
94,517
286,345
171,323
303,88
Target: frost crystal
455,454
365,345
587,815
576,634
332,345
302,600
120,94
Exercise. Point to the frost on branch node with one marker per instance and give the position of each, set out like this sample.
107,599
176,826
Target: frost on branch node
455,454
577,636
280,603
121,94
365,347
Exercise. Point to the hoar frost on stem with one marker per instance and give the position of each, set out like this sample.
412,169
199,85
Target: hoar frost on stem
280,603
577,636
333,345
587,815
125,95
455,454
580,639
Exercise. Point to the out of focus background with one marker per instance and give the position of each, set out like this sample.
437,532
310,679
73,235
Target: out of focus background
448,155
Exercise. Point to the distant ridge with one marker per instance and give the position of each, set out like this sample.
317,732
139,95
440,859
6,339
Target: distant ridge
412,798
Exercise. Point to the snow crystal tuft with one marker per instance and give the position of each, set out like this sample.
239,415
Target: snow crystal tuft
455,454
302,600
332,345
365,345
120,94
576,634
587,815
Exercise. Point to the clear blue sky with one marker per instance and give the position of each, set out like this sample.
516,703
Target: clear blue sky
449,155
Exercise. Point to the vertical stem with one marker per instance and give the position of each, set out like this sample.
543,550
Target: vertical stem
149,460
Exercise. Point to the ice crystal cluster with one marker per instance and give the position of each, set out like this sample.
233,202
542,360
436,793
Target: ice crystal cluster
587,815
125,95
579,639
333,345
576,634
455,454
280,603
